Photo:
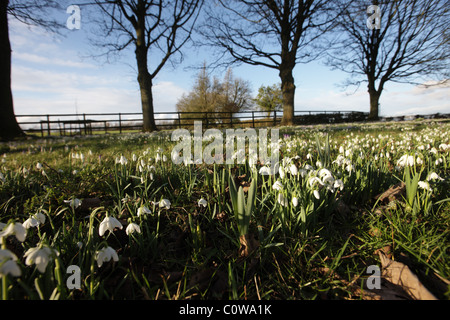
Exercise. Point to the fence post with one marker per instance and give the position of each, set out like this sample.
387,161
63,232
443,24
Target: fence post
275,117
253,119
231,120
206,120
42,129
84,121
179,121
120,122
48,124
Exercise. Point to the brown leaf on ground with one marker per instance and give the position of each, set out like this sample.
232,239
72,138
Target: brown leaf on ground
399,274
393,193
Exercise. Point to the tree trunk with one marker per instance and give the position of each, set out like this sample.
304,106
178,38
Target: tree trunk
145,85
144,76
374,104
9,128
288,91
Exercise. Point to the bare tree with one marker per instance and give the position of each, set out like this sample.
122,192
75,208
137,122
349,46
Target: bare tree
400,41
276,34
157,29
32,12
216,97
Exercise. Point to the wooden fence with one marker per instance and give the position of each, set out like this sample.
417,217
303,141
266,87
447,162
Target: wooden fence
90,123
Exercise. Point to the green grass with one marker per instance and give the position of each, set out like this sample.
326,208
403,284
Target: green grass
309,251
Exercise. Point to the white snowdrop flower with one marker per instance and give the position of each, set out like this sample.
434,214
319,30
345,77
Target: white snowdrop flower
164,158
293,169
158,157
324,172
277,185
134,157
328,179
303,172
132,227
106,254
143,211
40,256
309,156
39,166
313,180
282,200
75,203
39,217
30,223
165,203
434,176
202,202
281,172
109,223
341,149
406,160
433,150
424,185
338,184
16,229
419,161
265,171
8,264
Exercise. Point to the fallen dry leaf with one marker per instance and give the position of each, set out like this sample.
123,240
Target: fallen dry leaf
399,274
393,193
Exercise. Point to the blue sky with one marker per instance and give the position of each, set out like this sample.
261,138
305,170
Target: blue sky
50,75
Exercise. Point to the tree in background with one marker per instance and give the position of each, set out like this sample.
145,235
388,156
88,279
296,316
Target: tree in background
410,43
31,12
276,34
218,98
269,98
157,29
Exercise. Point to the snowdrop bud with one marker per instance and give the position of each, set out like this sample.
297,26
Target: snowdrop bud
316,194
281,172
293,169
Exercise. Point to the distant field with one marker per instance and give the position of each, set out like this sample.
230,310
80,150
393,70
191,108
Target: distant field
134,225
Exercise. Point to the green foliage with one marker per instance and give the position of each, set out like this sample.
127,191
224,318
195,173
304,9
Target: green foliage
269,98
318,217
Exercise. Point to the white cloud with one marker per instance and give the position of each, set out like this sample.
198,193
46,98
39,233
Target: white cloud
46,61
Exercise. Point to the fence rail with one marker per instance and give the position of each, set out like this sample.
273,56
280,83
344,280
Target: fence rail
90,123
